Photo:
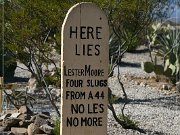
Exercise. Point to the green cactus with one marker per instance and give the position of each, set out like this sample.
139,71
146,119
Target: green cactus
168,41
159,69
148,67
170,49
168,72
172,58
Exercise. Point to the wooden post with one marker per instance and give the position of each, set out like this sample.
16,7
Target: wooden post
1,94
84,71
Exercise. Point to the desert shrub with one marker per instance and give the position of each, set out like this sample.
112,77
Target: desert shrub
57,127
168,41
20,98
129,21
132,43
128,123
114,99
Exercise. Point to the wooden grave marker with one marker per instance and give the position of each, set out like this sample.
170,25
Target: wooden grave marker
84,71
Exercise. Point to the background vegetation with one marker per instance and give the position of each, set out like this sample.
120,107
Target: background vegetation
32,31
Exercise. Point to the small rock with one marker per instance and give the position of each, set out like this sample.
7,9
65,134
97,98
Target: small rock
41,134
32,85
19,131
46,129
132,81
30,129
50,122
166,87
39,119
33,118
124,76
25,123
2,129
33,129
11,122
22,117
25,110
10,133
143,84
136,83
15,115
5,116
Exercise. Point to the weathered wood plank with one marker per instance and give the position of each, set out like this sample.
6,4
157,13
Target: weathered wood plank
84,71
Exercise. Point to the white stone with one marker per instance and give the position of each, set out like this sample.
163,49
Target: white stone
46,128
15,115
32,85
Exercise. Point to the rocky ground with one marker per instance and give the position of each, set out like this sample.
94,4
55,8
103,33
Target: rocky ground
26,122
156,110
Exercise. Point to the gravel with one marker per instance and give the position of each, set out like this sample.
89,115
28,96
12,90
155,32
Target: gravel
154,111
157,113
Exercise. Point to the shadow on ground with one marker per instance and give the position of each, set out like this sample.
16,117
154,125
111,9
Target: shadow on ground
16,79
170,102
129,64
139,51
